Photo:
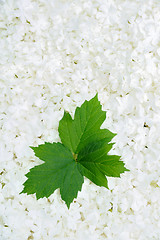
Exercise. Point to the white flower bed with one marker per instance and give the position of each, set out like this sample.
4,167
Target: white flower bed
54,54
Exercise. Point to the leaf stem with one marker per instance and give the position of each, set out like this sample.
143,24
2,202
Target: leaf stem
75,156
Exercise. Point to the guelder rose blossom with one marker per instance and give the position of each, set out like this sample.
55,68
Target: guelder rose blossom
55,54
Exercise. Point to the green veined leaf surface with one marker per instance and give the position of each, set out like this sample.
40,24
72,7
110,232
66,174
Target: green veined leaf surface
85,127
59,171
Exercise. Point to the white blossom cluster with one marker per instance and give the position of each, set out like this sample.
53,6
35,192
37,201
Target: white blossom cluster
54,54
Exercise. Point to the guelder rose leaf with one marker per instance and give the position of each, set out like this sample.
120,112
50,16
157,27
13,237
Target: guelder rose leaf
85,127
59,171
84,151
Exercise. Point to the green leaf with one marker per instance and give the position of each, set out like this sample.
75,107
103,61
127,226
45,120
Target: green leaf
59,171
85,128
84,151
